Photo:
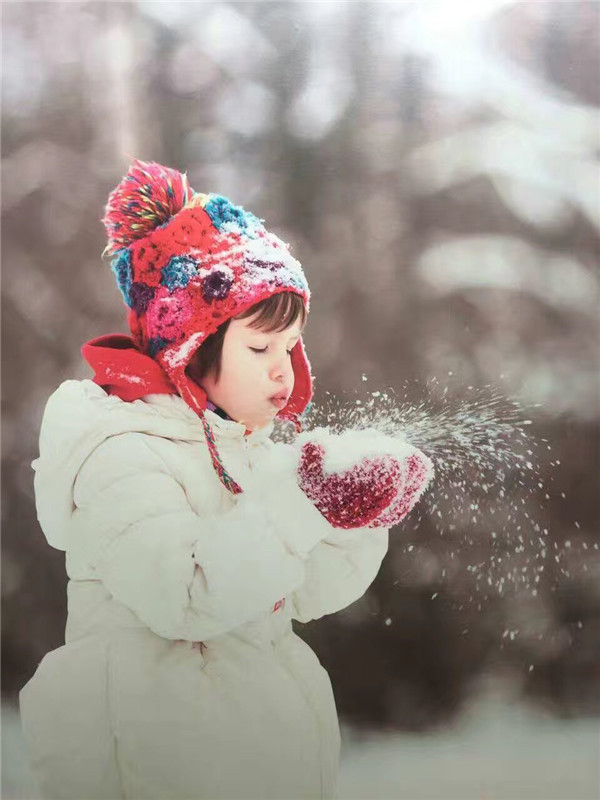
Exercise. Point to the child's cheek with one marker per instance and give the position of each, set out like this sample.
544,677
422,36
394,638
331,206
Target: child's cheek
243,376
240,365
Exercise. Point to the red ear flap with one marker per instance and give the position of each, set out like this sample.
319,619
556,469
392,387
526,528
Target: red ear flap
194,395
302,392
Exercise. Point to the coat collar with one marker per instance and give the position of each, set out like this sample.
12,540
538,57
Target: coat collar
230,429
223,428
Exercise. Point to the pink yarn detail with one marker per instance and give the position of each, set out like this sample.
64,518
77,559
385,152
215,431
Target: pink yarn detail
169,314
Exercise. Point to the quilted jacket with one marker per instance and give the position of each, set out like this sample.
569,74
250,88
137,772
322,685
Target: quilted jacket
180,676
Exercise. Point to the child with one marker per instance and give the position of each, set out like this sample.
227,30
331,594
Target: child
191,538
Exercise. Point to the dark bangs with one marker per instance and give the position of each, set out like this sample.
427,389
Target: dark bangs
276,313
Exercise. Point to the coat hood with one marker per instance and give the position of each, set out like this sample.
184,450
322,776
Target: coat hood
80,415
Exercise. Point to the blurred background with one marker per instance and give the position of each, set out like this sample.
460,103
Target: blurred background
435,167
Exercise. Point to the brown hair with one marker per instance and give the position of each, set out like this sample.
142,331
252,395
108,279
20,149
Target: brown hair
275,313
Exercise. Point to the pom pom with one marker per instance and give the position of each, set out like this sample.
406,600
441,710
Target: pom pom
148,196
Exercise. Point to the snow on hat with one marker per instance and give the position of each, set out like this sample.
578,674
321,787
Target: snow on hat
186,262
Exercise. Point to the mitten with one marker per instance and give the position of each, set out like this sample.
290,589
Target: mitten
361,478
418,472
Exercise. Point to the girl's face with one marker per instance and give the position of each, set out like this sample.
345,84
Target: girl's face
255,367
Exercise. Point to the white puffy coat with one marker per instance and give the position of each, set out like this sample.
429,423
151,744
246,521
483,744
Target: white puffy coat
161,557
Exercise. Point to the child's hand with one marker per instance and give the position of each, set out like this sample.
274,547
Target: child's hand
361,478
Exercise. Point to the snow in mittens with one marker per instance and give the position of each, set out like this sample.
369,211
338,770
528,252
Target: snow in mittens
344,450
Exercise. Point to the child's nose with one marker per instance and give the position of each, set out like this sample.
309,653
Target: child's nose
282,368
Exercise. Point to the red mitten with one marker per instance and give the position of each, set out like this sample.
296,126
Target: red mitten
361,478
418,473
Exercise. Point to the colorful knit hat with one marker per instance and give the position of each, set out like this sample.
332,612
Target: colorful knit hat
185,263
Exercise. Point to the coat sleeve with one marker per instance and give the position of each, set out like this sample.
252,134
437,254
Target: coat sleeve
184,575
341,563
339,570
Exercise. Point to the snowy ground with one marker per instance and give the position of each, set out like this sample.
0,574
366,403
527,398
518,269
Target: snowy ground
497,752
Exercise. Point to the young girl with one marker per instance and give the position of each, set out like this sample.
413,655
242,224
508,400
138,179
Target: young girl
191,538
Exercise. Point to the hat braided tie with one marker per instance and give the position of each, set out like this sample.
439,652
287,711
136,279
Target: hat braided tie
224,476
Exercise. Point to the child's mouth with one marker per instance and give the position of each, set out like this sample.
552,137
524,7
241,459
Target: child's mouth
279,401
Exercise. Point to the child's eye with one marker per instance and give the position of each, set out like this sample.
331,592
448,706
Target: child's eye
264,350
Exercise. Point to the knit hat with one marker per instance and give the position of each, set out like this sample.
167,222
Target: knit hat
186,262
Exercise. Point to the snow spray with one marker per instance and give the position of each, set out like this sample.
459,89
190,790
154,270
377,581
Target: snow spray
487,483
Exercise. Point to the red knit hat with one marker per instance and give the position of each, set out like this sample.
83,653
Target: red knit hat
185,263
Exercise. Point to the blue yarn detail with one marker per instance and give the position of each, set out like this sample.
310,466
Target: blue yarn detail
307,409
156,344
225,216
303,417
121,266
177,273
300,281
289,278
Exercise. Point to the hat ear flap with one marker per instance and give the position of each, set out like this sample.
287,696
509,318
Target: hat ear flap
193,394
302,392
